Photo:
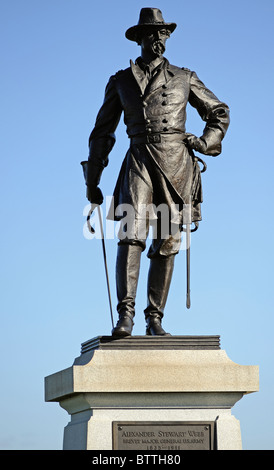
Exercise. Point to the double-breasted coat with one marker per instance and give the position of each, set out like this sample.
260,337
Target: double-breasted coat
158,166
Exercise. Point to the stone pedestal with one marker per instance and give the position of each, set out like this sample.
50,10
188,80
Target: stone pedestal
152,393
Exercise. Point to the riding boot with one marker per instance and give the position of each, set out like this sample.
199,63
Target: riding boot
127,274
159,279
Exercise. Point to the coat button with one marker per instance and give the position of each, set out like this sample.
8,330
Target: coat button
164,94
164,103
165,129
164,86
165,121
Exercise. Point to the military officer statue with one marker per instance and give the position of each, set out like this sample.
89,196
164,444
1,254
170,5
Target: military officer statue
159,166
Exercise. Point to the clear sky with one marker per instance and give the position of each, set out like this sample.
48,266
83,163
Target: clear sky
56,58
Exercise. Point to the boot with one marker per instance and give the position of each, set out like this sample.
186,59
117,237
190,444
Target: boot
124,326
154,325
159,279
127,274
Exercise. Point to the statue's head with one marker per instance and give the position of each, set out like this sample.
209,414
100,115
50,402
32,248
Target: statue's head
151,32
153,41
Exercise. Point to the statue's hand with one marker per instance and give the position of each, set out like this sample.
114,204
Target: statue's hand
195,143
94,195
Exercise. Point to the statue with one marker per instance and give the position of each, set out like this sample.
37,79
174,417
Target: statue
159,168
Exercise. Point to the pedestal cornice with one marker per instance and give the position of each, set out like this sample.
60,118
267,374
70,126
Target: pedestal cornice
179,364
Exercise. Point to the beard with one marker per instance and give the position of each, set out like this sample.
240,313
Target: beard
158,48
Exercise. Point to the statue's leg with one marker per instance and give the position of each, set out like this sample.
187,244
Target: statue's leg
159,279
127,274
162,253
132,234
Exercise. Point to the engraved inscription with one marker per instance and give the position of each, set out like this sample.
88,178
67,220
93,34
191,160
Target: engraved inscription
163,435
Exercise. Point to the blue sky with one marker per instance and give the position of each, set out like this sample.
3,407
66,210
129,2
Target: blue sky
56,58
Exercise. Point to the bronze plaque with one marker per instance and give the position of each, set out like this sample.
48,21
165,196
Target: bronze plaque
163,435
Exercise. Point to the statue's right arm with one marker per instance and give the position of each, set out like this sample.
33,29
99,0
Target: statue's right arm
102,138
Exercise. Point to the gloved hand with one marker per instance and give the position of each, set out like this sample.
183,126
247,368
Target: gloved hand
196,143
94,195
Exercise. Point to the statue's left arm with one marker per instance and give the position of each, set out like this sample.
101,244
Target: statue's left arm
214,112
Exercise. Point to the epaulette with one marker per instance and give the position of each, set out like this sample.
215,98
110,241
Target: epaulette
187,70
119,73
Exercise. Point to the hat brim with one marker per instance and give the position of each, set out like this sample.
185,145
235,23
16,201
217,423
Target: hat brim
131,33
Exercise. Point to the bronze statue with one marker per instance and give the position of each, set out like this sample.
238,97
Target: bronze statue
159,167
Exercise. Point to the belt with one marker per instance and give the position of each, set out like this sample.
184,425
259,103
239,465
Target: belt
157,138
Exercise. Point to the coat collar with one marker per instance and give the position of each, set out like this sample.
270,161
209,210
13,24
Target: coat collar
161,78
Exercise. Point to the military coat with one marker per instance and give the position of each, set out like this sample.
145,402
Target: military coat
158,163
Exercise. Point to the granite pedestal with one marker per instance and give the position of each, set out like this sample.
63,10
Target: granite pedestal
152,393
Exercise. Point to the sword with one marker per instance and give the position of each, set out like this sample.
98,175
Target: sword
188,230
188,303
187,222
91,229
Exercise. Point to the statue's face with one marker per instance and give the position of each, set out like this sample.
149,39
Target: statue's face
153,41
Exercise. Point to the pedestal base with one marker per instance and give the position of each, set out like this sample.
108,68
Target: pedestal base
157,393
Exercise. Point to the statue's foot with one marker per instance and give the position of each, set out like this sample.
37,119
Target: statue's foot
124,326
154,326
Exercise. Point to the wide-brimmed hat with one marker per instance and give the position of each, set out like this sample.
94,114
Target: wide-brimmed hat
149,17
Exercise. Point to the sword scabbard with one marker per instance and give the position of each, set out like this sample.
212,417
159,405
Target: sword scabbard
188,303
